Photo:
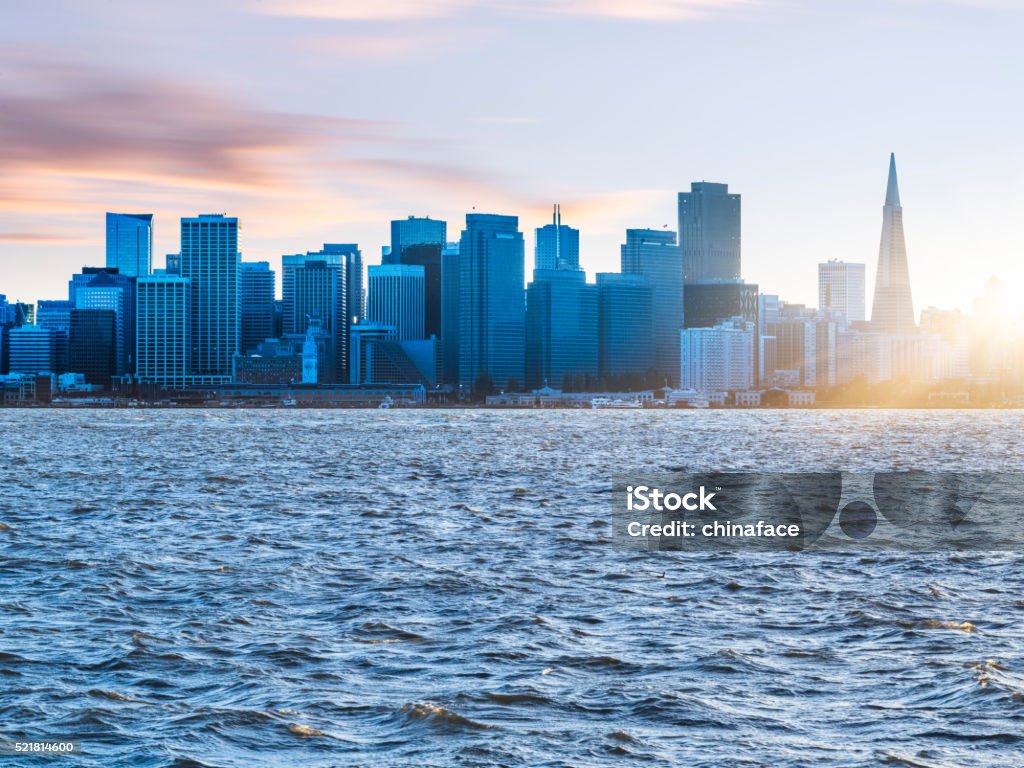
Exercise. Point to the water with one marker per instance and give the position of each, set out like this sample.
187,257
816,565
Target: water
437,588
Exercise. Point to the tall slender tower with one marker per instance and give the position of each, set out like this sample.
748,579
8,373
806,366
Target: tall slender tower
893,307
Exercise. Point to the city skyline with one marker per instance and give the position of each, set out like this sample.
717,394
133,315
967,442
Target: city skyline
321,121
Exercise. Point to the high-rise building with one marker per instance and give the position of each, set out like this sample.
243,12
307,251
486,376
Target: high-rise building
561,329
491,301
558,245
354,294
32,349
893,308
315,286
450,314
414,231
257,304
210,261
709,233
164,323
654,253
130,243
718,359
395,298
56,315
841,290
107,288
92,345
429,257
625,325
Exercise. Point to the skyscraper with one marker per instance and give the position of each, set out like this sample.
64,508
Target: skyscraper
414,231
130,243
96,288
558,245
450,313
654,253
625,326
92,345
491,301
257,304
841,290
893,308
354,297
395,298
210,260
428,257
315,286
561,329
709,233
163,330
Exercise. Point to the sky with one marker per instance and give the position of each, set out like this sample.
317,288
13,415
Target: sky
321,120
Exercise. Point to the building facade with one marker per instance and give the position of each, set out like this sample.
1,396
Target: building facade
130,243
32,350
210,261
718,359
396,298
163,330
655,254
315,287
257,304
491,302
841,290
415,231
92,345
561,330
625,326
709,233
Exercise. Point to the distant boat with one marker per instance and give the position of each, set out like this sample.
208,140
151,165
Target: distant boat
606,402
289,402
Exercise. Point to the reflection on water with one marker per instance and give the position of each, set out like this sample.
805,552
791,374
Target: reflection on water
438,588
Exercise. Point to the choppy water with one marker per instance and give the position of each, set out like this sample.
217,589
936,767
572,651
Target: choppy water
437,588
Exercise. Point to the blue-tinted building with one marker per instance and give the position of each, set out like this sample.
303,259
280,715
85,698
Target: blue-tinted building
625,325
315,287
354,294
164,324
414,231
709,233
130,243
32,350
55,314
561,330
210,261
558,245
395,299
491,301
257,304
92,345
654,254
107,288
450,313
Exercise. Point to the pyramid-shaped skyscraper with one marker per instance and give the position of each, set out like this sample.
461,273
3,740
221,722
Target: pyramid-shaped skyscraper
893,307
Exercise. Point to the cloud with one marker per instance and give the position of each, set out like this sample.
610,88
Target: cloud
403,10
80,121
36,237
